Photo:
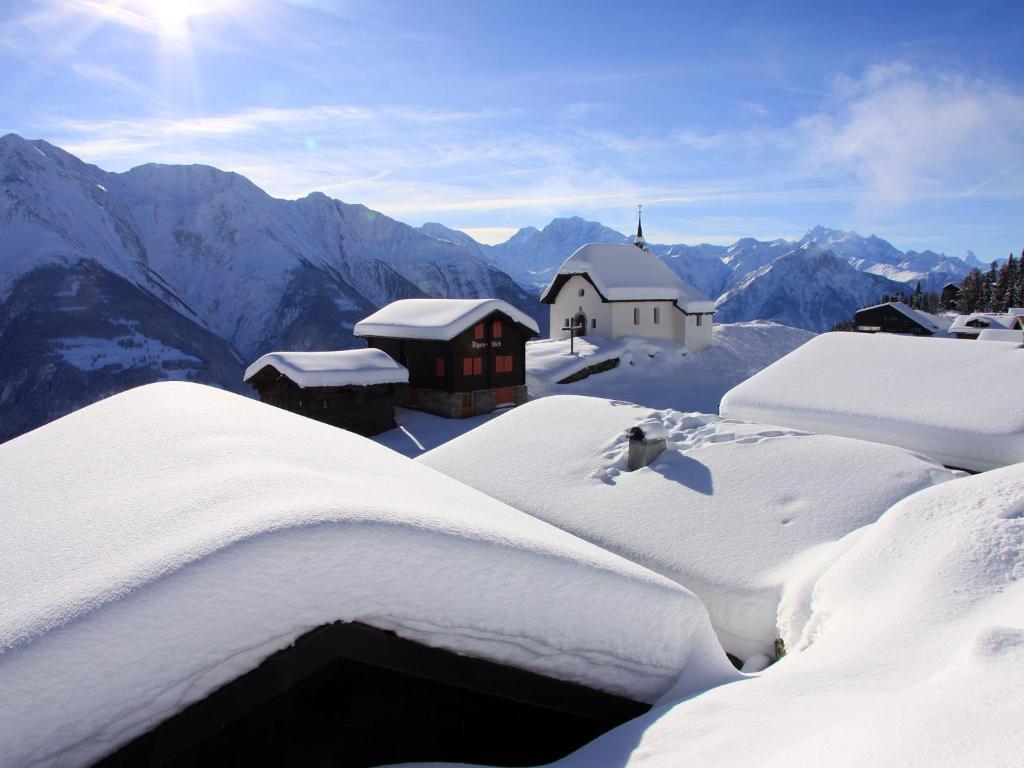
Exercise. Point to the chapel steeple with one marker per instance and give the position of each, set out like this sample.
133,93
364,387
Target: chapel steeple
639,241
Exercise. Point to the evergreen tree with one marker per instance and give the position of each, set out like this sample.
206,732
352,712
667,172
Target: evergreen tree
988,285
931,302
969,297
917,297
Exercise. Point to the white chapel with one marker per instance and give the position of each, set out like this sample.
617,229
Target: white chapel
614,290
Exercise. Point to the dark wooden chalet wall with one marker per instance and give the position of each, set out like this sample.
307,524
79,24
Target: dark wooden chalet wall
889,320
482,368
441,365
353,695
366,410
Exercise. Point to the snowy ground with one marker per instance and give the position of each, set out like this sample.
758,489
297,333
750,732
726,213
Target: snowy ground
653,373
913,654
738,513
189,533
662,374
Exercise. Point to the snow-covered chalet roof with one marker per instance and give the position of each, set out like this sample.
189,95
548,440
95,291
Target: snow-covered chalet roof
349,367
1002,334
973,324
627,273
438,319
190,533
933,323
724,510
946,398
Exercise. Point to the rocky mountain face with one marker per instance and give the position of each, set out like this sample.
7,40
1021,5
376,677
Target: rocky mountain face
806,287
108,280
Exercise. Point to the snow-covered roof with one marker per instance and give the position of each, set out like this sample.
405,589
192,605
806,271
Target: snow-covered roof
934,323
190,533
908,650
973,324
438,319
349,367
917,393
1001,334
726,510
627,273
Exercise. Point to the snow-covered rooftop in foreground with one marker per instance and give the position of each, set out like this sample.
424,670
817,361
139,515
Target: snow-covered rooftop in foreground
736,512
439,319
349,367
166,540
908,651
626,273
950,399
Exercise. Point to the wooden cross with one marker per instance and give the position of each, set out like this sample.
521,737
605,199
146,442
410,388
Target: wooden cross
572,334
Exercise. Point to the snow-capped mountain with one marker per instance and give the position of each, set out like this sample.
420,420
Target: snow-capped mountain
108,280
807,287
532,255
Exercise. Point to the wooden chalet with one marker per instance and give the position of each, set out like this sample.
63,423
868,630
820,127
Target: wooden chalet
464,356
897,317
353,389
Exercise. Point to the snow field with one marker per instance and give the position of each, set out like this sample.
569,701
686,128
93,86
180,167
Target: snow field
913,654
736,512
189,533
950,399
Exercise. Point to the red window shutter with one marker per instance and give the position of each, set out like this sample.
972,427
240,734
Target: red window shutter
439,367
496,329
478,332
508,363
467,366
478,366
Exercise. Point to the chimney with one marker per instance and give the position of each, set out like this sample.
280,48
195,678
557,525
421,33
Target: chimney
646,442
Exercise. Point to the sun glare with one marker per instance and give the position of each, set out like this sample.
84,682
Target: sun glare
172,16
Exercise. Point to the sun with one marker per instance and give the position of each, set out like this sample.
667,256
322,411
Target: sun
172,16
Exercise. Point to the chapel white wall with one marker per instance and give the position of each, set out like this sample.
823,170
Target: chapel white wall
569,303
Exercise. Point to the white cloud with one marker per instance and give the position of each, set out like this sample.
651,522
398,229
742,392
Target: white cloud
906,135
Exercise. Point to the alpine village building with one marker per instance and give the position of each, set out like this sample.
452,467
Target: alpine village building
897,317
464,356
615,290
353,389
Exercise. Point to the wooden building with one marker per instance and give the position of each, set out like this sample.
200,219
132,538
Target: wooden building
353,389
464,356
897,317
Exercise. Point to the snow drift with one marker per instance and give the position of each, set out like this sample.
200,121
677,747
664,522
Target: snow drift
913,654
953,400
164,541
736,512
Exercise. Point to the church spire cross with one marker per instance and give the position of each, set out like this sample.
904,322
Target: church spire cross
639,241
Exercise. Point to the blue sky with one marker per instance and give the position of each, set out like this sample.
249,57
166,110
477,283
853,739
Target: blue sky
724,119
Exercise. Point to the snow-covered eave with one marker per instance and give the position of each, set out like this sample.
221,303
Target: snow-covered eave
378,371
550,295
417,333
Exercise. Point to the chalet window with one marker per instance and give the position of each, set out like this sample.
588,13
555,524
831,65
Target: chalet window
700,319
439,367
566,324
593,323
472,366
657,315
496,329
636,315
478,332
503,364
581,291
